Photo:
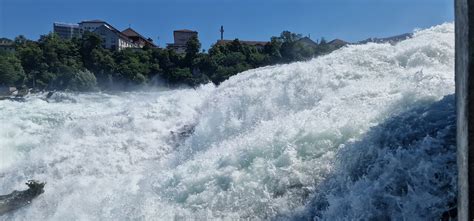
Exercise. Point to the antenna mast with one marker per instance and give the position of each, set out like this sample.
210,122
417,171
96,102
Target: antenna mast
222,32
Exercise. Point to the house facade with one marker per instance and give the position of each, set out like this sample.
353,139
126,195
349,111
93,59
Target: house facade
138,38
111,37
66,31
7,45
181,37
91,25
114,39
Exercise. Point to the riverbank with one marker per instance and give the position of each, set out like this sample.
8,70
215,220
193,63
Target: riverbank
81,64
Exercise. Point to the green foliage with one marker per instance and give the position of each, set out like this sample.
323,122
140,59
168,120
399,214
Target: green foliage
179,75
30,54
226,60
58,52
82,81
291,48
272,50
132,66
192,49
11,71
324,47
81,64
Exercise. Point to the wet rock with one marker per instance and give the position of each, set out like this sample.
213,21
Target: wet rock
18,199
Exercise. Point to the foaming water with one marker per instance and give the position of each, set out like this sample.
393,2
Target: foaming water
87,145
402,169
263,142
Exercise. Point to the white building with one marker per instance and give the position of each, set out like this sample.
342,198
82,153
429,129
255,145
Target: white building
66,31
181,37
7,45
91,25
111,37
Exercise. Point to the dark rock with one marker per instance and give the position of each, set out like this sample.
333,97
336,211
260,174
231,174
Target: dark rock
18,199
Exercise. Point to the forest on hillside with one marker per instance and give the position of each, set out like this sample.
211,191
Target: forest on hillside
81,64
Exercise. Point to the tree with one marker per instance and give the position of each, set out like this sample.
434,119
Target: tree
290,37
322,41
58,52
193,46
162,58
103,65
273,48
288,46
324,47
11,71
235,46
31,57
82,63
82,81
129,67
20,40
206,64
179,75
258,59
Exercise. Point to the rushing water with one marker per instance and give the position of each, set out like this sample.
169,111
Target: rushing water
360,133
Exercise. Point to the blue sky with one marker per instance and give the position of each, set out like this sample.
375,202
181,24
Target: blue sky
350,20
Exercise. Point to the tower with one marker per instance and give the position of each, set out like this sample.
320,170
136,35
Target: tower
222,32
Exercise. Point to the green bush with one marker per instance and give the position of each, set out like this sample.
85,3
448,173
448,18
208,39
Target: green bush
81,64
82,81
11,71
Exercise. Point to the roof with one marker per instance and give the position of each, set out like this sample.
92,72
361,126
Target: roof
111,28
103,22
337,42
6,40
62,24
132,33
243,42
92,21
185,30
307,40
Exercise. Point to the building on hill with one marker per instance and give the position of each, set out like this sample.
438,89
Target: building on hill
7,45
306,41
138,39
66,31
337,43
181,37
258,44
114,39
111,37
91,25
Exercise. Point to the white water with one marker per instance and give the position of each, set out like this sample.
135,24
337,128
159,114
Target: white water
265,142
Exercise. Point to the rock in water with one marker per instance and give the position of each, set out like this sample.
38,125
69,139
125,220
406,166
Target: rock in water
18,199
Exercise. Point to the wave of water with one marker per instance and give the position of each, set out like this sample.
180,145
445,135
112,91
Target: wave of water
264,144
402,169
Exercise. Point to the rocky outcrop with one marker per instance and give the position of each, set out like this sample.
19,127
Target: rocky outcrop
18,199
